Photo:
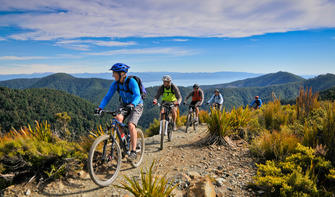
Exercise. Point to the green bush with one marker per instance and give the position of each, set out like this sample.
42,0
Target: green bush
275,145
298,175
36,151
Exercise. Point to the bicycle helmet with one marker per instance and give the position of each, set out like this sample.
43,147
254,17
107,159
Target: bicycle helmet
216,90
196,86
120,67
167,78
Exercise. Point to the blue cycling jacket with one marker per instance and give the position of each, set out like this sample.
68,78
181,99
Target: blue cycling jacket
260,102
126,97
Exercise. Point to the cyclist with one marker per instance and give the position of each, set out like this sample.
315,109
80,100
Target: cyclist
257,103
197,99
131,105
216,100
170,94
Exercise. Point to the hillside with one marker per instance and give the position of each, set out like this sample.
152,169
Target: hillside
262,81
328,94
94,90
19,107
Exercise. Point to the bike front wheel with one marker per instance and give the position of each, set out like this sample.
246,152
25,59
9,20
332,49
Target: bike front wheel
104,160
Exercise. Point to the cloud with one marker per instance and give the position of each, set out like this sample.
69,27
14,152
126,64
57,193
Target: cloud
2,39
41,68
145,51
85,45
23,57
54,19
179,40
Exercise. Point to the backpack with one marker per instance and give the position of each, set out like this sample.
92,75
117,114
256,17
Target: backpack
143,92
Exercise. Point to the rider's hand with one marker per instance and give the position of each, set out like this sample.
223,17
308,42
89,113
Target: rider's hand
98,111
184,102
176,103
130,107
154,101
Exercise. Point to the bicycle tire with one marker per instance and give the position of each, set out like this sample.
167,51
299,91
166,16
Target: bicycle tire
139,160
94,176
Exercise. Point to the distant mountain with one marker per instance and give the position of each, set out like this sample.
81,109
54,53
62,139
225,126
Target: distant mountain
22,107
262,81
4,77
94,89
154,78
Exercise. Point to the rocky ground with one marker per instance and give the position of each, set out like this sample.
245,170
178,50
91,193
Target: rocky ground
226,170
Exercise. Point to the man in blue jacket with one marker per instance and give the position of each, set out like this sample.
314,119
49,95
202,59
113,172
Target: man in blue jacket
131,102
257,103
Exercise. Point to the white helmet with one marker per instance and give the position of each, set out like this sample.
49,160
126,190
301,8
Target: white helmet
167,78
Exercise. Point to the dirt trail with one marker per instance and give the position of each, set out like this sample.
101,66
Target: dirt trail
231,168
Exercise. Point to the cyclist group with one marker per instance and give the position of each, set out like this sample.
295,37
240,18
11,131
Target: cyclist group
131,94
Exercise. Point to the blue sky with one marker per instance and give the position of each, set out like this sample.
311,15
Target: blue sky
76,36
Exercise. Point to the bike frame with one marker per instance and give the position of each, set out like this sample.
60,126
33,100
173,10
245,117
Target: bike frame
115,127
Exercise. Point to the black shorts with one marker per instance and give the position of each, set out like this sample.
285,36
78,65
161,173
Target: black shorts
195,103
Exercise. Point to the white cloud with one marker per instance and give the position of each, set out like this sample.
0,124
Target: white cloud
55,19
84,45
2,39
179,40
23,57
41,68
145,51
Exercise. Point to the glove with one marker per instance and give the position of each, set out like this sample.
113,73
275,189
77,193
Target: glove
98,111
154,101
130,107
184,103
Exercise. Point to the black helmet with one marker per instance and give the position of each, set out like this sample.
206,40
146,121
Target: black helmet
196,86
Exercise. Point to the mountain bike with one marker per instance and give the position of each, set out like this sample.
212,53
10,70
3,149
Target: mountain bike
166,123
213,106
108,150
191,118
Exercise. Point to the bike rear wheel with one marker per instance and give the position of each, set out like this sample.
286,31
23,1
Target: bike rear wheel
140,148
188,122
104,161
195,122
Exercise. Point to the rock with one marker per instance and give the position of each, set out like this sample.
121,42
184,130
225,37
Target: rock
202,187
177,193
230,189
194,174
220,167
28,192
220,182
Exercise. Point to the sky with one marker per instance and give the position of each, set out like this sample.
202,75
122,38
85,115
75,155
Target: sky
258,36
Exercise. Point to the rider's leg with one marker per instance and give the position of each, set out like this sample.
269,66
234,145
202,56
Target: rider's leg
174,117
133,135
197,112
120,118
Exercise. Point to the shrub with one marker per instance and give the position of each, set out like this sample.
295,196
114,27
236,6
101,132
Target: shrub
203,116
306,102
275,145
297,175
153,128
151,185
35,151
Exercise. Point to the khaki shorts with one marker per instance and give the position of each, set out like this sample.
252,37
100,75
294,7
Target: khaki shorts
135,115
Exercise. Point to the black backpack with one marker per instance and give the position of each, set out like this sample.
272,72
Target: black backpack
143,92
